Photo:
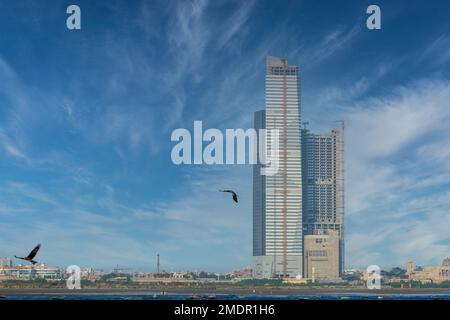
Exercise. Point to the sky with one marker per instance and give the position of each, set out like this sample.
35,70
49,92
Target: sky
86,118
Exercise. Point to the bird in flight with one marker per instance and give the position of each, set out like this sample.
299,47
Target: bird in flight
31,255
235,197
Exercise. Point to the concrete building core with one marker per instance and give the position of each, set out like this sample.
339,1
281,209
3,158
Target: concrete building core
321,256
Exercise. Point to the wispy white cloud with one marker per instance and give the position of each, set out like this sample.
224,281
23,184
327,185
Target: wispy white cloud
235,23
102,230
381,128
438,51
188,37
92,232
11,149
204,215
341,94
337,39
392,242
397,145
397,203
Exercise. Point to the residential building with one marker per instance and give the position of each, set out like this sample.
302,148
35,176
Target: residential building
323,203
20,272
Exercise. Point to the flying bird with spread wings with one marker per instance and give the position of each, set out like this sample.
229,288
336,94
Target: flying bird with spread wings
235,196
31,255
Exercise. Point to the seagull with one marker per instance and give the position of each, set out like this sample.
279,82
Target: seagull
235,197
31,255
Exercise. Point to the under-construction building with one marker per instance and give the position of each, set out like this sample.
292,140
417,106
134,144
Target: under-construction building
305,196
277,199
323,185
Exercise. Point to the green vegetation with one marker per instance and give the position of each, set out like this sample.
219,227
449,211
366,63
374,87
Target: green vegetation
35,284
418,284
116,277
123,281
260,282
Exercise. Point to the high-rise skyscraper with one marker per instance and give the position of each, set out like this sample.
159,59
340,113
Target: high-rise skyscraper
304,200
277,202
323,207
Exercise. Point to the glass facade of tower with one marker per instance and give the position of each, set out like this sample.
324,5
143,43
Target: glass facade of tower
278,231
259,192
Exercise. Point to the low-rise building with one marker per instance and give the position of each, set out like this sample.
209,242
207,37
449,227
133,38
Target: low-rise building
7,262
21,272
91,274
176,277
434,274
247,272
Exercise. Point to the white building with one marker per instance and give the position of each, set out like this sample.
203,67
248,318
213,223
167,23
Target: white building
6,262
40,271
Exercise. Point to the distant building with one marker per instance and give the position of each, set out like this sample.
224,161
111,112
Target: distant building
247,272
20,272
91,274
322,256
435,274
179,275
410,268
296,280
169,277
6,262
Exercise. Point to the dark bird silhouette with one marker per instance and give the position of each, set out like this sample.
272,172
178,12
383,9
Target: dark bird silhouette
31,255
235,197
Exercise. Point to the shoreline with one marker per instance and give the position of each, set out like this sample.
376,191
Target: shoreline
218,291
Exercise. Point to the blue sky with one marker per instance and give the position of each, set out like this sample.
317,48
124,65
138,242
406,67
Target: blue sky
86,118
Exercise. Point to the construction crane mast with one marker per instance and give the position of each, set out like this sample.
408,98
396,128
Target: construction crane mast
342,186
157,263
284,172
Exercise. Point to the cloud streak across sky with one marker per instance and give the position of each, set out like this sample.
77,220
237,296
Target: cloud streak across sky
86,117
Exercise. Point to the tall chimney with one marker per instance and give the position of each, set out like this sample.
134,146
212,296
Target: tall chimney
157,262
